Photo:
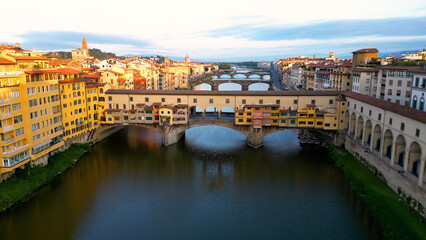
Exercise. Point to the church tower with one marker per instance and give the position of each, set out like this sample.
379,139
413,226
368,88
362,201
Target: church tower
84,47
187,59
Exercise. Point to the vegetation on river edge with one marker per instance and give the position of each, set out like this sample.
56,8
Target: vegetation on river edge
397,219
25,181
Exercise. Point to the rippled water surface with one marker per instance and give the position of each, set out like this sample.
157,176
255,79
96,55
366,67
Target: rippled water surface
208,186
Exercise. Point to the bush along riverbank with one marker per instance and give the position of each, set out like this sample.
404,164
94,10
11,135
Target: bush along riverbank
397,219
25,181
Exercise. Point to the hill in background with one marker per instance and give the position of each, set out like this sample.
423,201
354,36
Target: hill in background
94,52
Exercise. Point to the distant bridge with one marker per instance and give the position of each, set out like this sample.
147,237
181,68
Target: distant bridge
244,83
247,75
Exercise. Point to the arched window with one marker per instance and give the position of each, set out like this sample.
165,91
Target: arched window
414,102
73,86
101,90
75,102
76,111
79,101
79,110
422,104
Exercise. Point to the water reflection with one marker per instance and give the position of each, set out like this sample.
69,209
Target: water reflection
208,186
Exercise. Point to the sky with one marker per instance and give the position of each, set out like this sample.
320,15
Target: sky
221,30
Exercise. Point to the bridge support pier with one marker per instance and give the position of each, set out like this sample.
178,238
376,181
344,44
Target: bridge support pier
255,137
244,87
172,134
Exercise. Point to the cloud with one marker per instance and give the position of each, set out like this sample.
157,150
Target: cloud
326,30
64,40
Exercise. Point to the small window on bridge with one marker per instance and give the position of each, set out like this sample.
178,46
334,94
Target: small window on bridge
146,99
312,101
227,100
295,101
194,100
331,101
417,132
277,101
178,100
131,99
380,116
369,113
402,126
260,101
109,98
243,101
163,99
211,100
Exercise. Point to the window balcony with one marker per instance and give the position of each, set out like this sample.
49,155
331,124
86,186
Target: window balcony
15,150
9,140
7,128
4,101
11,74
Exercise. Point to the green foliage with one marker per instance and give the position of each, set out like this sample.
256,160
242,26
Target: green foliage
224,65
60,54
409,63
25,181
397,219
97,53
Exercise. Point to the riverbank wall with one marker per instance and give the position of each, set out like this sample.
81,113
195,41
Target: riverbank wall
93,136
400,182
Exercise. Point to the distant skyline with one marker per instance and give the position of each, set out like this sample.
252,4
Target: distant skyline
219,30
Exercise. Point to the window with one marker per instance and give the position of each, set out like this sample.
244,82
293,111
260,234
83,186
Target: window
163,99
295,101
402,126
17,119
398,92
330,101
179,100
390,121
227,100
362,109
367,80
260,101
417,132
399,83
109,98
243,101
367,88
131,99
19,132
194,100
390,82
16,106
313,101
277,101
380,116
15,94
211,100
146,99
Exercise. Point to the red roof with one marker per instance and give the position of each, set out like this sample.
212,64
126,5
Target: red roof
367,50
58,62
28,57
94,75
65,71
365,70
4,61
394,107
116,73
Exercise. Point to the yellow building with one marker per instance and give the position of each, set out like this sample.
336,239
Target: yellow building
13,109
166,115
95,99
45,120
307,117
74,113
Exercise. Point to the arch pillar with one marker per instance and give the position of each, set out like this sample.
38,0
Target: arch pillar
363,133
204,114
393,153
255,137
382,142
421,172
244,87
219,115
407,150
171,134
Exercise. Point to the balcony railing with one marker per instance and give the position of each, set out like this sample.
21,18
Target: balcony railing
6,115
9,140
4,101
9,74
12,151
8,128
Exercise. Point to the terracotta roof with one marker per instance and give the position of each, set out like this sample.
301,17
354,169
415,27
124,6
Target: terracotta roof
365,70
4,61
347,64
58,62
367,50
116,73
28,57
93,75
394,107
411,68
65,71
71,80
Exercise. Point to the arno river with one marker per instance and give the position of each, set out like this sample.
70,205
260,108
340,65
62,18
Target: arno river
209,185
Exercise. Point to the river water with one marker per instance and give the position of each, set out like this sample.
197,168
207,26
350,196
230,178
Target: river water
209,185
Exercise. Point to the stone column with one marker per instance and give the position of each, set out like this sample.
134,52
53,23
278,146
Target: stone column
204,114
255,137
219,115
406,155
394,147
421,172
171,135
382,143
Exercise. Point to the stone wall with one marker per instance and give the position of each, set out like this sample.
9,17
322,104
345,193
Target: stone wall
392,177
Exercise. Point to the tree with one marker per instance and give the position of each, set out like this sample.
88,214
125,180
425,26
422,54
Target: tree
224,65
